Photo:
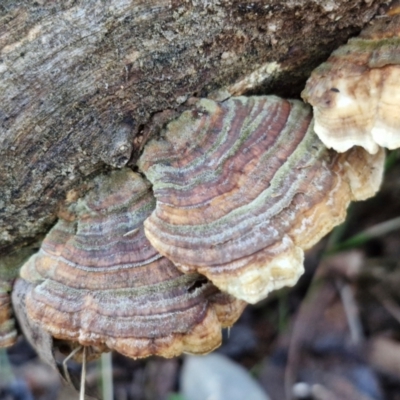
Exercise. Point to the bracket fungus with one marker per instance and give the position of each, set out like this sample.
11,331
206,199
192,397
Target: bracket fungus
8,334
240,189
98,282
243,187
356,92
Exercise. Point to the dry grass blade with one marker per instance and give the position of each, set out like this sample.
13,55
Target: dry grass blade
107,376
65,366
375,231
83,375
351,310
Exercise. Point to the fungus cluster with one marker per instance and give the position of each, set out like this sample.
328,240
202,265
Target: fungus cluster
236,192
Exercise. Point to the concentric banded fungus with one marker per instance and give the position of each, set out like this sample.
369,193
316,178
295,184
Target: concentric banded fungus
243,187
100,283
356,93
8,334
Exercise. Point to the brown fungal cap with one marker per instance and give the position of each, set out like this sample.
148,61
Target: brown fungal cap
356,93
8,334
243,187
9,267
99,282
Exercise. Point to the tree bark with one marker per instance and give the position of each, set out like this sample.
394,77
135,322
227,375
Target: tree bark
81,80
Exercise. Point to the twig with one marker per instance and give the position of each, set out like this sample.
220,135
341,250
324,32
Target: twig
390,306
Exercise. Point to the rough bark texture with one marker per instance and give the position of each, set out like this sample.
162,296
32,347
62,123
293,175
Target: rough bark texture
79,80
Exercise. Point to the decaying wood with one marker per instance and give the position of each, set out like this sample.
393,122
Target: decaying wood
79,80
